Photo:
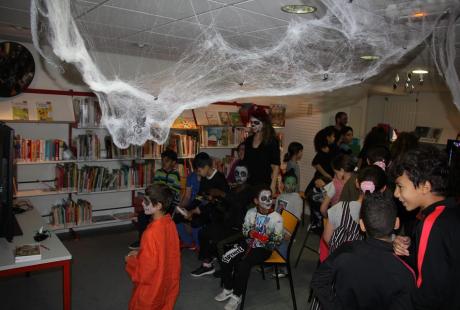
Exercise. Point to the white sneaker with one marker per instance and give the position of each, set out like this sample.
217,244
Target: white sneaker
233,303
224,295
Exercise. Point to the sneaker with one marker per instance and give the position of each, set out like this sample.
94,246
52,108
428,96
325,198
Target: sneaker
233,303
224,295
281,274
202,271
134,246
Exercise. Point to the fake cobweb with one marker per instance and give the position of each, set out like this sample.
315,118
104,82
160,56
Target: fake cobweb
304,55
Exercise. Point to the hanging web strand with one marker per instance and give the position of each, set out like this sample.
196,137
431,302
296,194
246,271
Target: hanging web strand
213,69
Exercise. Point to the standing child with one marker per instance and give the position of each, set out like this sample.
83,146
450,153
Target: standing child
292,157
155,268
434,248
365,274
263,229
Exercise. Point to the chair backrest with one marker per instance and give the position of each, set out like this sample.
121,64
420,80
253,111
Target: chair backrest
291,224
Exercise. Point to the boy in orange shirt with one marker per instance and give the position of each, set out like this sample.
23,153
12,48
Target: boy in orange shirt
155,268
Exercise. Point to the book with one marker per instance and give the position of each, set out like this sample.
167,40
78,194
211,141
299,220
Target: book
44,111
71,213
235,119
212,117
87,111
33,150
225,118
20,110
185,121
27,253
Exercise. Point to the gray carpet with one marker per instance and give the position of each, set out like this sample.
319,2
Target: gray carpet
100,282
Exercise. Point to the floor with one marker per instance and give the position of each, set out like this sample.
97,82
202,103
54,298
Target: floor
100,282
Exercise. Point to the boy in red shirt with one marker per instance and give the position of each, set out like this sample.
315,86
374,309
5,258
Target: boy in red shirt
155,268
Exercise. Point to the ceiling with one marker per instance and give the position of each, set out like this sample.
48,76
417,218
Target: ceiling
165,28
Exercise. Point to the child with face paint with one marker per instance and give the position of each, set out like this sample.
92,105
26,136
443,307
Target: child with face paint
238,161
292,157
262,152
263,229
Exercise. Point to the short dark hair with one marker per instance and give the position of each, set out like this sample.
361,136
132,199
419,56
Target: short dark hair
345,162
423,164
373,174
320,139
168,153
345,129
293,149
378,213
378,153
339,115
161,193
202,160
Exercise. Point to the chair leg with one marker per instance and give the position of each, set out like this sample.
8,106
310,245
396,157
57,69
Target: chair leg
303,245
263,271
303,212
291,284
310,295
243,297
277,278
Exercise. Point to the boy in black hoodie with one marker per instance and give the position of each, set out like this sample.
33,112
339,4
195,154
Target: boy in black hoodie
434,248
365,274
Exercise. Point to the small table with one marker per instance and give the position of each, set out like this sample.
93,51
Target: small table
56,257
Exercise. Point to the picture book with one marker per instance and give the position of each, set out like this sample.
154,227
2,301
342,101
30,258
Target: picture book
44,111
225,118
20,110
27,252
212,117
235,119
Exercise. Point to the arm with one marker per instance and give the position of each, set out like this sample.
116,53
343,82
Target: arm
143,266
248,225
275,172
328,231
186,197
325,205
323,172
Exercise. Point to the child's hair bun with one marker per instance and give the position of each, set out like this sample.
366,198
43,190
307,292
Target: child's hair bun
367,186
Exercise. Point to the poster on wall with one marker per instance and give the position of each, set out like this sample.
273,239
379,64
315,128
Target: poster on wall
20,110
278,115
44,111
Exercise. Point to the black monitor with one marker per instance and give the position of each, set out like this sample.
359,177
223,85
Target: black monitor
8,223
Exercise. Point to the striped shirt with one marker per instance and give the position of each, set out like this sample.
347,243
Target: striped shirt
170,178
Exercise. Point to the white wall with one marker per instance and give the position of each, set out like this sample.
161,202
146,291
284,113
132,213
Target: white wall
404,113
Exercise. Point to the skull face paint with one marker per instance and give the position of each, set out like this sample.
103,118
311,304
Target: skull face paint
256,125
265,199
241,174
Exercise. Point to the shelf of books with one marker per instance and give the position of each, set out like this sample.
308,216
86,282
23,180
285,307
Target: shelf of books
222,137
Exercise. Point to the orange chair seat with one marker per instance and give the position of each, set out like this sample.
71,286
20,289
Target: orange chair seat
275,258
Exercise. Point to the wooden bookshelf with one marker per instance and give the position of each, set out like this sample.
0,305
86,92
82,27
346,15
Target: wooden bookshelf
45,162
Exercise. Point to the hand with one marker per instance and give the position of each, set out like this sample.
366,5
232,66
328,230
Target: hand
258,236
401,245
131,253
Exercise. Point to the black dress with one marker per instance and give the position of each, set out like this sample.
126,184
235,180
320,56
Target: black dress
259,160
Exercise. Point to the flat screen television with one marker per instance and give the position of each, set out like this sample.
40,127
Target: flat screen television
8,223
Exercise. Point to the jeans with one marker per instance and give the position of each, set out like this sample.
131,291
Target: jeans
185,237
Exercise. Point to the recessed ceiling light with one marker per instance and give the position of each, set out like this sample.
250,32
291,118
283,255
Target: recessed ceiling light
298,9
419,71
419,14
369,57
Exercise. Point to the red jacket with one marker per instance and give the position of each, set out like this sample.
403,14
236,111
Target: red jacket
155,271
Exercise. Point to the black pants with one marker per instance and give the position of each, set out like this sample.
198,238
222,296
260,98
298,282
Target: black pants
209,237
235,273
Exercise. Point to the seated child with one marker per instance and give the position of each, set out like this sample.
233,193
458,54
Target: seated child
434,247
166,175
155,268
263,229
365,274
226,227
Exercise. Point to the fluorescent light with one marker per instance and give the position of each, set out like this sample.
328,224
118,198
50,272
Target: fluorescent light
419,14
369,57
298,9
419,71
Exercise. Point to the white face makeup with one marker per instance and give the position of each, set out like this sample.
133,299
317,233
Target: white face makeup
265,199
256,125
241,174
148,206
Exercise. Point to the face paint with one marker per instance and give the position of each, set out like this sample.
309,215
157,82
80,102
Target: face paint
241,174
147,205
256,125
290,185
265,199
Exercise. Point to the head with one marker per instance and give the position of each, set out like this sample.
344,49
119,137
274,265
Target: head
241,174
377,136
203,164
379,156
406,141
341,119
295,152
378,216
421,177
264,198
168,160
290,181
343,165
323,138
158,199
370,180
346,134
261,123
240,151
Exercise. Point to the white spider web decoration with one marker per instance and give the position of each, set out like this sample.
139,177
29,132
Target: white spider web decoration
313,55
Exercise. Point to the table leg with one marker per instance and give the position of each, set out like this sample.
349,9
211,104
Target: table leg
66,285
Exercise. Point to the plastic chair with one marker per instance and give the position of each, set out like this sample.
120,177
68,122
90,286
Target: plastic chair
291,224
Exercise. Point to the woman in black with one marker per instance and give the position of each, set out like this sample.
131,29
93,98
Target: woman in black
262,151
